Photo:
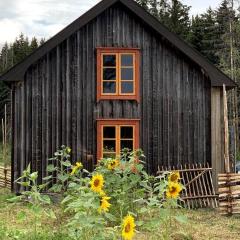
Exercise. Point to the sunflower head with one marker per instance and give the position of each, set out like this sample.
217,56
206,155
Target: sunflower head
173,190
128,227
76,167
96,183
104,204
79,164
174,176
113,164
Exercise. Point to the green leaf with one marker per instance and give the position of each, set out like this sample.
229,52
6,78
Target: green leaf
181,219
63,178
47,178
51,168
139,223
34,176
45,199
143,210
36,209
110,217
50,213
72,185
15,199
56,188
66,163
28,168
24,184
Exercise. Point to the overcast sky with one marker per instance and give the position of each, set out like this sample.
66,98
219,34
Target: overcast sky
44,18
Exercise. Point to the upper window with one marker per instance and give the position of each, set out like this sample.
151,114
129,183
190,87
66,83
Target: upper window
118,74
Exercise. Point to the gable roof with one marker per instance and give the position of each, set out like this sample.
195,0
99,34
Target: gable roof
217,77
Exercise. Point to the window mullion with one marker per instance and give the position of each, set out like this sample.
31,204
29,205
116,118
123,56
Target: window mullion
119,73
118,140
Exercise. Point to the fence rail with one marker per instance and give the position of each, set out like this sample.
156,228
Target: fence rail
197,180
5,177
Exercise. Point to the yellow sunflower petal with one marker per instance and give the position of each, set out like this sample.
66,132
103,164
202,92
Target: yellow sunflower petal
79,165
97,183
128,228
173,190
74,169
174,176
105,205
113,164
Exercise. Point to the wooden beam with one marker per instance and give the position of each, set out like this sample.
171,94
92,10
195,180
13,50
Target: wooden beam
216,134
226,133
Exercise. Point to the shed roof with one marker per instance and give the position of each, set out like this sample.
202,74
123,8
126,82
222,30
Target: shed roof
217,77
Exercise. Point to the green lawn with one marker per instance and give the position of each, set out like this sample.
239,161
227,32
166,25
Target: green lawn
202,224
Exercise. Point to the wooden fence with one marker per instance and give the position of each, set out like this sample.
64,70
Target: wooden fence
229,193
5,177
198,189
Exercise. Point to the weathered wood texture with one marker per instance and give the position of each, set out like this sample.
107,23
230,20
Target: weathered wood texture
5,177
57,102
217,134
198,189
229,193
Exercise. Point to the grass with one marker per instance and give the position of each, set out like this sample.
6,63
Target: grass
8,160
202,224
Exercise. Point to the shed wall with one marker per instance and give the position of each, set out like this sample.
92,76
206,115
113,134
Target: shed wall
56,104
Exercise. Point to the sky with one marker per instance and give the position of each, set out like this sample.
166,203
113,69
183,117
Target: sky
45,18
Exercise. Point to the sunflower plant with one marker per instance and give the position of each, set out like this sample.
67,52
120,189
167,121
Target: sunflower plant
89,205
33,196
122,181
61,171
163,196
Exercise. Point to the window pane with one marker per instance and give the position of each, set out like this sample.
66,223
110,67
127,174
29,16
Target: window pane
127,73
127,87
127,60
109,155
109,87
109,146
109,60
126,132
127,144
109,74
109,132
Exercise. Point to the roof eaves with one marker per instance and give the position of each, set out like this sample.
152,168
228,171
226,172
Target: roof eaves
17,72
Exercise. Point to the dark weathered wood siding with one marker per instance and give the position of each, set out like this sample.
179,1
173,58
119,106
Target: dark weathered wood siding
56,104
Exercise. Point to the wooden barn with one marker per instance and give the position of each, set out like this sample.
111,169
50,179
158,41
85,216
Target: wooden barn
116,78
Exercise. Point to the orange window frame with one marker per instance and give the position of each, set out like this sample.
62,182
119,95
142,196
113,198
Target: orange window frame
117,123
118,95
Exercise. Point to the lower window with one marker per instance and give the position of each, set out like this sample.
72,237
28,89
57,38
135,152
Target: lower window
115,135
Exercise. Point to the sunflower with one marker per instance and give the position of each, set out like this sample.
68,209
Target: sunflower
76,167
96,183
173,190
128,228
113,164
105,205
174,176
